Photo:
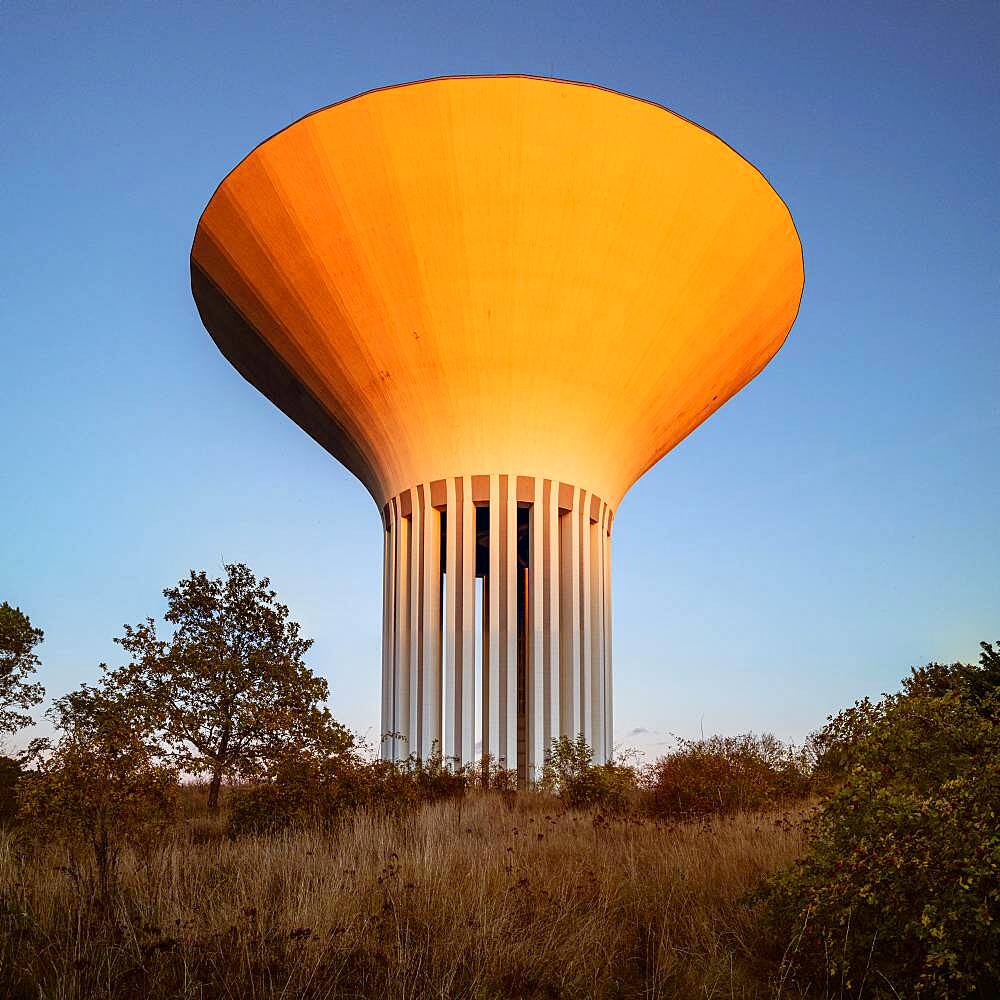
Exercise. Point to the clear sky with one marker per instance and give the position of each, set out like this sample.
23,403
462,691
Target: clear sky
835,523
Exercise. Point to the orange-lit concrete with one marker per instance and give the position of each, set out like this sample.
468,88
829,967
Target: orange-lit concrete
497,277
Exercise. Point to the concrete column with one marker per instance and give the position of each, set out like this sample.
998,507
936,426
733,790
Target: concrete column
453,626
596,531
430,723
586,631
536,679
416,621
460,606
468,690
570,722
508,721
401,651
552,639
388,633
608,721
491,665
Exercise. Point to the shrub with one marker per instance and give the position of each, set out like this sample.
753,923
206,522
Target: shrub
299,788
434,780
899,891
306,788
724,775
491,774
581,784
10,773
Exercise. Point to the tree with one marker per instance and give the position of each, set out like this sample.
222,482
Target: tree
100,783
984,683
977,685
18,662
898,891
229,688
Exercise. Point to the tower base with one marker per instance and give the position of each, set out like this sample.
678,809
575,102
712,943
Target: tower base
497,621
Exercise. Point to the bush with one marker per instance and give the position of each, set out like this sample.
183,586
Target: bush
724,775
434,780
10,773
300,788
899,891
490,774
305,788
581,784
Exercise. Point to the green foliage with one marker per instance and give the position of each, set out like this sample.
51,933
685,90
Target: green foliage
975,684
722,775
899,892
229,691
581,784
100,784
18,661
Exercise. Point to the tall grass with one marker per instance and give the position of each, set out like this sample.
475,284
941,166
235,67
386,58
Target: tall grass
478,898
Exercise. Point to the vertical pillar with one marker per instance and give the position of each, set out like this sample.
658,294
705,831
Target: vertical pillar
552,638
401,651
586,693
388,634
491,671
508,721
416,622
536,673
608,720
484,639
569,620
460,624
468,623
430,723
453,624
596,531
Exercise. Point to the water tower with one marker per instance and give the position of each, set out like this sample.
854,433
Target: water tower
498,301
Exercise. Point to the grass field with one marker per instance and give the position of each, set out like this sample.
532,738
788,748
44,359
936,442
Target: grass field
485,897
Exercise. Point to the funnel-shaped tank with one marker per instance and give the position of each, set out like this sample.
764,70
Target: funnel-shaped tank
498,301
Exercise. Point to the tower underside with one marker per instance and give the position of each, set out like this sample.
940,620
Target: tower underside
497,621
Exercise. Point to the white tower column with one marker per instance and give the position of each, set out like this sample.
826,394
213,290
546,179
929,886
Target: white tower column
598,741
416,537
569,620
430,581
508,642
606,543
388,635
537,680
586,692
467,754
401,637
553,589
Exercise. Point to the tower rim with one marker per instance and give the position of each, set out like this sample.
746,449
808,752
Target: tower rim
540,78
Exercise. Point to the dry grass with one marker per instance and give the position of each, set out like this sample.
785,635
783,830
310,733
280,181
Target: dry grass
476,899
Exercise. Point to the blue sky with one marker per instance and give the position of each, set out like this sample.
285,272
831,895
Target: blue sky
835,523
